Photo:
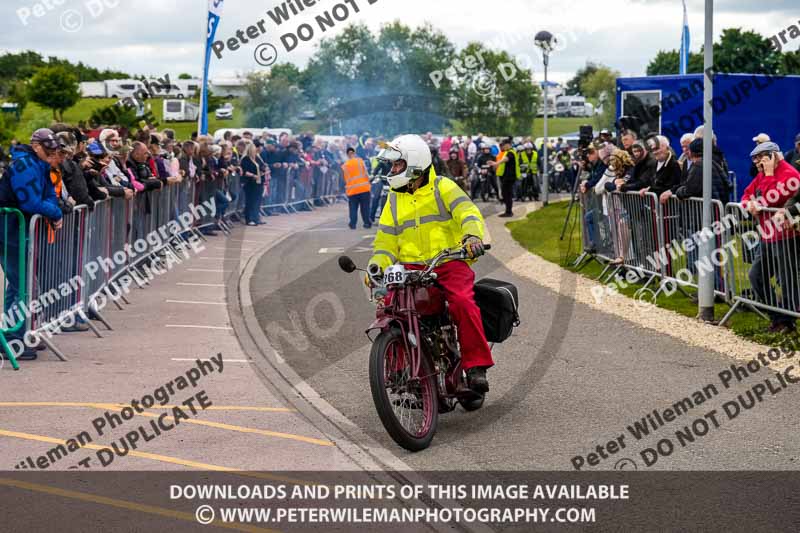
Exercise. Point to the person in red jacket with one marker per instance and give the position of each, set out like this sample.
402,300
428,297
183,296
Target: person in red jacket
776,182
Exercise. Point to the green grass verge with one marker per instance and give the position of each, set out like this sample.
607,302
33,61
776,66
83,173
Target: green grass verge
540,233
559,126
35,117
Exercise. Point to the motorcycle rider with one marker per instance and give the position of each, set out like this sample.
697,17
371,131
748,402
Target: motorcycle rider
482,161
457,169
382,169
529,162
424,215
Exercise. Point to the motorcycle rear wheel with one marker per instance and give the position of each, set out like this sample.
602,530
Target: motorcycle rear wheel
408,409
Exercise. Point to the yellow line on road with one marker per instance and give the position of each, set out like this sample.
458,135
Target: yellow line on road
105,405
229,427
241,429
161,458
121,504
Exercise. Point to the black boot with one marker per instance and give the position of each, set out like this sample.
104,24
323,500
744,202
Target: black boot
476,380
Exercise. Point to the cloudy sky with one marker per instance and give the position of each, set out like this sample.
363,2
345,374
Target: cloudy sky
166,36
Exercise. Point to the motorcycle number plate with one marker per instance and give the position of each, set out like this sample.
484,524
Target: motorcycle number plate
395,275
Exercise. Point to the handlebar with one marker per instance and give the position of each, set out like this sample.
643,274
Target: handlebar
375,273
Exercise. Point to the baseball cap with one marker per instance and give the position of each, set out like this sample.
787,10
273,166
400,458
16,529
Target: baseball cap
47,139
604,132
761,138
96,149
764,147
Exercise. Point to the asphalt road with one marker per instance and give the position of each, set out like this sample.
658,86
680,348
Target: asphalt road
570,379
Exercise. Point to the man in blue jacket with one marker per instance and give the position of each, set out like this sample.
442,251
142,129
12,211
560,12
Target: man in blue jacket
26,186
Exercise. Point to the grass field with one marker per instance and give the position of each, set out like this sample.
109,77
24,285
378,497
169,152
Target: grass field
559,126
540,232
36,117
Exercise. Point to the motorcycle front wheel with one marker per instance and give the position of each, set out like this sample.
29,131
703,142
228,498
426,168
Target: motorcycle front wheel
408,407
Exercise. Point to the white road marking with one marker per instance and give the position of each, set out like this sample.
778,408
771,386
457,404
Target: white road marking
194,303
339,250
201,284
190,326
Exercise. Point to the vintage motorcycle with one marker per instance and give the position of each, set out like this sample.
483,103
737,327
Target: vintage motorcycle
530,183
479,182
415,368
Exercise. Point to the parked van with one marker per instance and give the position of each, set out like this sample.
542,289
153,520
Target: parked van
572,106
180,111
123,88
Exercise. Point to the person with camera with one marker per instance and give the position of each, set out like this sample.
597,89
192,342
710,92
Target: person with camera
775,185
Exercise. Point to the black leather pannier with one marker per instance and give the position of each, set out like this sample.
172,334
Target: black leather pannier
499,305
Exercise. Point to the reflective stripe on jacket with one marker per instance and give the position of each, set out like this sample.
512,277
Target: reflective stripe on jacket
413,228
356,178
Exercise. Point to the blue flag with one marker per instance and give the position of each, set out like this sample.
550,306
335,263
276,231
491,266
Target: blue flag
683,59
214,14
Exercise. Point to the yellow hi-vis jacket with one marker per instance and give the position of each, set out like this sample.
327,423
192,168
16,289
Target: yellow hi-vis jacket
531,160
501,168
413,228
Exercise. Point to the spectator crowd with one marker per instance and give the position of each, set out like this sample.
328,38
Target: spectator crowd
651,165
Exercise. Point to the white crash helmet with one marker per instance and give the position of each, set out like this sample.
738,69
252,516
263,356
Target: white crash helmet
412,150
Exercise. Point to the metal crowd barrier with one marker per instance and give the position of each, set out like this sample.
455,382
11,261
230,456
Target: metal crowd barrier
755,264
763,271
682,224
55,266
635,233
13,258
304,187
69,268
596,236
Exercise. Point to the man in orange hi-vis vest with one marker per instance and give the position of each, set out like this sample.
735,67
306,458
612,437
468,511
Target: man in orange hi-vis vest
356,182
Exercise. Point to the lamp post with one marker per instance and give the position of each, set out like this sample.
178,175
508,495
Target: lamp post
705,289
545,41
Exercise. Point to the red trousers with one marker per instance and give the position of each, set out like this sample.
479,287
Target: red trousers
457,280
